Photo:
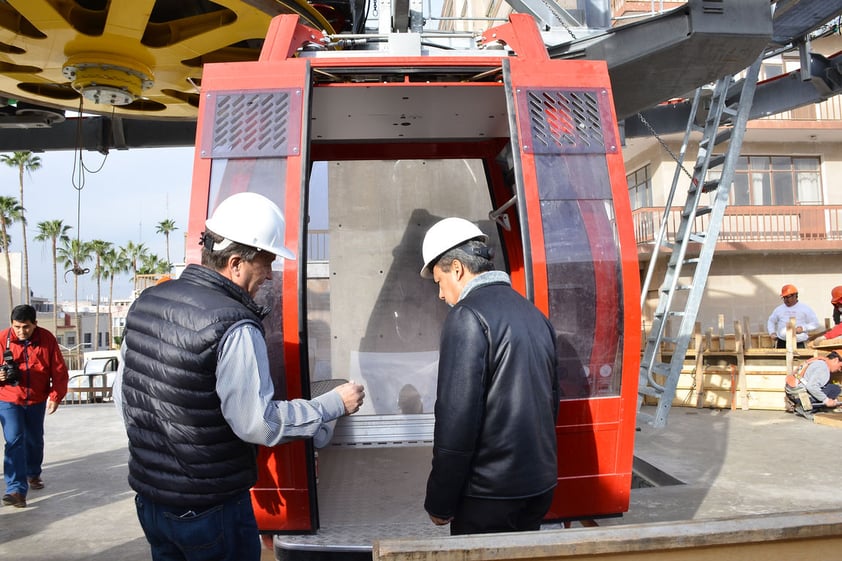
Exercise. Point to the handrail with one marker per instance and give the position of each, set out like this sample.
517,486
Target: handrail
746,224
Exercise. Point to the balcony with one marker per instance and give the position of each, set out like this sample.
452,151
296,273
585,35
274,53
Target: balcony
752,228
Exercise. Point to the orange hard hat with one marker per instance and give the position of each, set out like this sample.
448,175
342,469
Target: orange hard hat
836,295
788,289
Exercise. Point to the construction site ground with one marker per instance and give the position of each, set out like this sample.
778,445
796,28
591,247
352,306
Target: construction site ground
705,464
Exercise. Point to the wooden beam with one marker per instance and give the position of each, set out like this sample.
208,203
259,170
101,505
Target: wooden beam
771,537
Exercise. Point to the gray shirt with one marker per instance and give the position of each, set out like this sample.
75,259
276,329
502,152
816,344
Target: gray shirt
245,390
816,377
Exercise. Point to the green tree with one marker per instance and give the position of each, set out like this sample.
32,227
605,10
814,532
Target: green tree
134,253
113,263
165,227
74,253
10,212
24,161
98,249
54,231
151,264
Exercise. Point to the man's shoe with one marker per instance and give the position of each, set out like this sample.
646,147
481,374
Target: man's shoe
14,499
35,483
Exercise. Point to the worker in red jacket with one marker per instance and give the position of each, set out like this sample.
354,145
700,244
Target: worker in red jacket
33,381
836,330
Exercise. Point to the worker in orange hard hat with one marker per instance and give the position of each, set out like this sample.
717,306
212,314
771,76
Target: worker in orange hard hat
805,318
788,290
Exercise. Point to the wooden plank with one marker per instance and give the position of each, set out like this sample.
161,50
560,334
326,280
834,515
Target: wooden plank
721,399
699,375
829,419
741,365
771,537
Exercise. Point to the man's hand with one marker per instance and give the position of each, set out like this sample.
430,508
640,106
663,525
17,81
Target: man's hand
830,402
352,395
440,521
51,406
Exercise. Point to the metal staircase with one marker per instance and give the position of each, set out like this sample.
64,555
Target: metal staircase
701,219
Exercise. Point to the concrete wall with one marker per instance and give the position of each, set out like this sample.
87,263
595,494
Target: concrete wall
748,285
16,260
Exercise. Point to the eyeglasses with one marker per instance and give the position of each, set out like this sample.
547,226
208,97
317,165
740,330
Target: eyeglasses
790,296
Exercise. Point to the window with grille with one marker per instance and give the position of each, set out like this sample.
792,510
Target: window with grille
777,180
640,187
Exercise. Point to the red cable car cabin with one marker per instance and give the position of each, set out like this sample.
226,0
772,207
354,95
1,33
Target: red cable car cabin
364,150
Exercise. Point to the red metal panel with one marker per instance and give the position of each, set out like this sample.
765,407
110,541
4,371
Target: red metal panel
595,434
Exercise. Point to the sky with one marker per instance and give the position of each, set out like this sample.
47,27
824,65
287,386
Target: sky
123,197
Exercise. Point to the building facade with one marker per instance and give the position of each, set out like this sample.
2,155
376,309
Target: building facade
783,224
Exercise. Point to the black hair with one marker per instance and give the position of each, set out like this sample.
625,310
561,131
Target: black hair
24,313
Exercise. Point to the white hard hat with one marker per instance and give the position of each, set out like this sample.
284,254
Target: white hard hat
444,235
250,219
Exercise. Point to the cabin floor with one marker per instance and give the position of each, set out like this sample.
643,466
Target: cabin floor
366,493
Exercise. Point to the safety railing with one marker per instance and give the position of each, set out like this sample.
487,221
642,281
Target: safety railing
821,224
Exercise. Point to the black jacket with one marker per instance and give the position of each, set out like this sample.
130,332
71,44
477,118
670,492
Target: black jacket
497,401
182,452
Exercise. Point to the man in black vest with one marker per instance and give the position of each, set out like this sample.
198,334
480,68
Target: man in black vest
196,394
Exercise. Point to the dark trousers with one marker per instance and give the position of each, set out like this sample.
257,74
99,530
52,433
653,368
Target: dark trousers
486,516
225,532
781,344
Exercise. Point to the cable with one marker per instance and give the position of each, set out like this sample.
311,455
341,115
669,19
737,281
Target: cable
78,185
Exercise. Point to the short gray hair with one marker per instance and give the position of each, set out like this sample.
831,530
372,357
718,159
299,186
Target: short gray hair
475,255
217,259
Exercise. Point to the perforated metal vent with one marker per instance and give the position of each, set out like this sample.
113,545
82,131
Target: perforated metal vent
564,121
255,124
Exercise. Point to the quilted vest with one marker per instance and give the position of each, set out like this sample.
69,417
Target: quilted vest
182,452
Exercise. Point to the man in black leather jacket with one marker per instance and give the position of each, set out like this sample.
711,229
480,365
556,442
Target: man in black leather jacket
494,453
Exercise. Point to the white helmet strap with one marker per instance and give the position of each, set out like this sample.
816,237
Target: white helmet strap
219,246
211,245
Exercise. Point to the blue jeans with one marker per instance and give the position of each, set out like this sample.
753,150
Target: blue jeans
23,430
225,532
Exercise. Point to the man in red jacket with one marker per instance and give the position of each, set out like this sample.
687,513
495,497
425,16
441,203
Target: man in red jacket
33,381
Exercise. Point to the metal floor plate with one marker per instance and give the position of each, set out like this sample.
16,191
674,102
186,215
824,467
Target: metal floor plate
368,493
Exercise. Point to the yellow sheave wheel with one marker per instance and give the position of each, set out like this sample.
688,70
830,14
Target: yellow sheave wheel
135,57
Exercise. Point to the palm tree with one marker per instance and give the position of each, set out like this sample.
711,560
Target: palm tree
151,264
165,227
55,231
24,161
98,248
113,263
10,212
74,253
134,253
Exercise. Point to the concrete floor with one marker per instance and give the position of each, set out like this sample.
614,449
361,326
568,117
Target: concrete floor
731,464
